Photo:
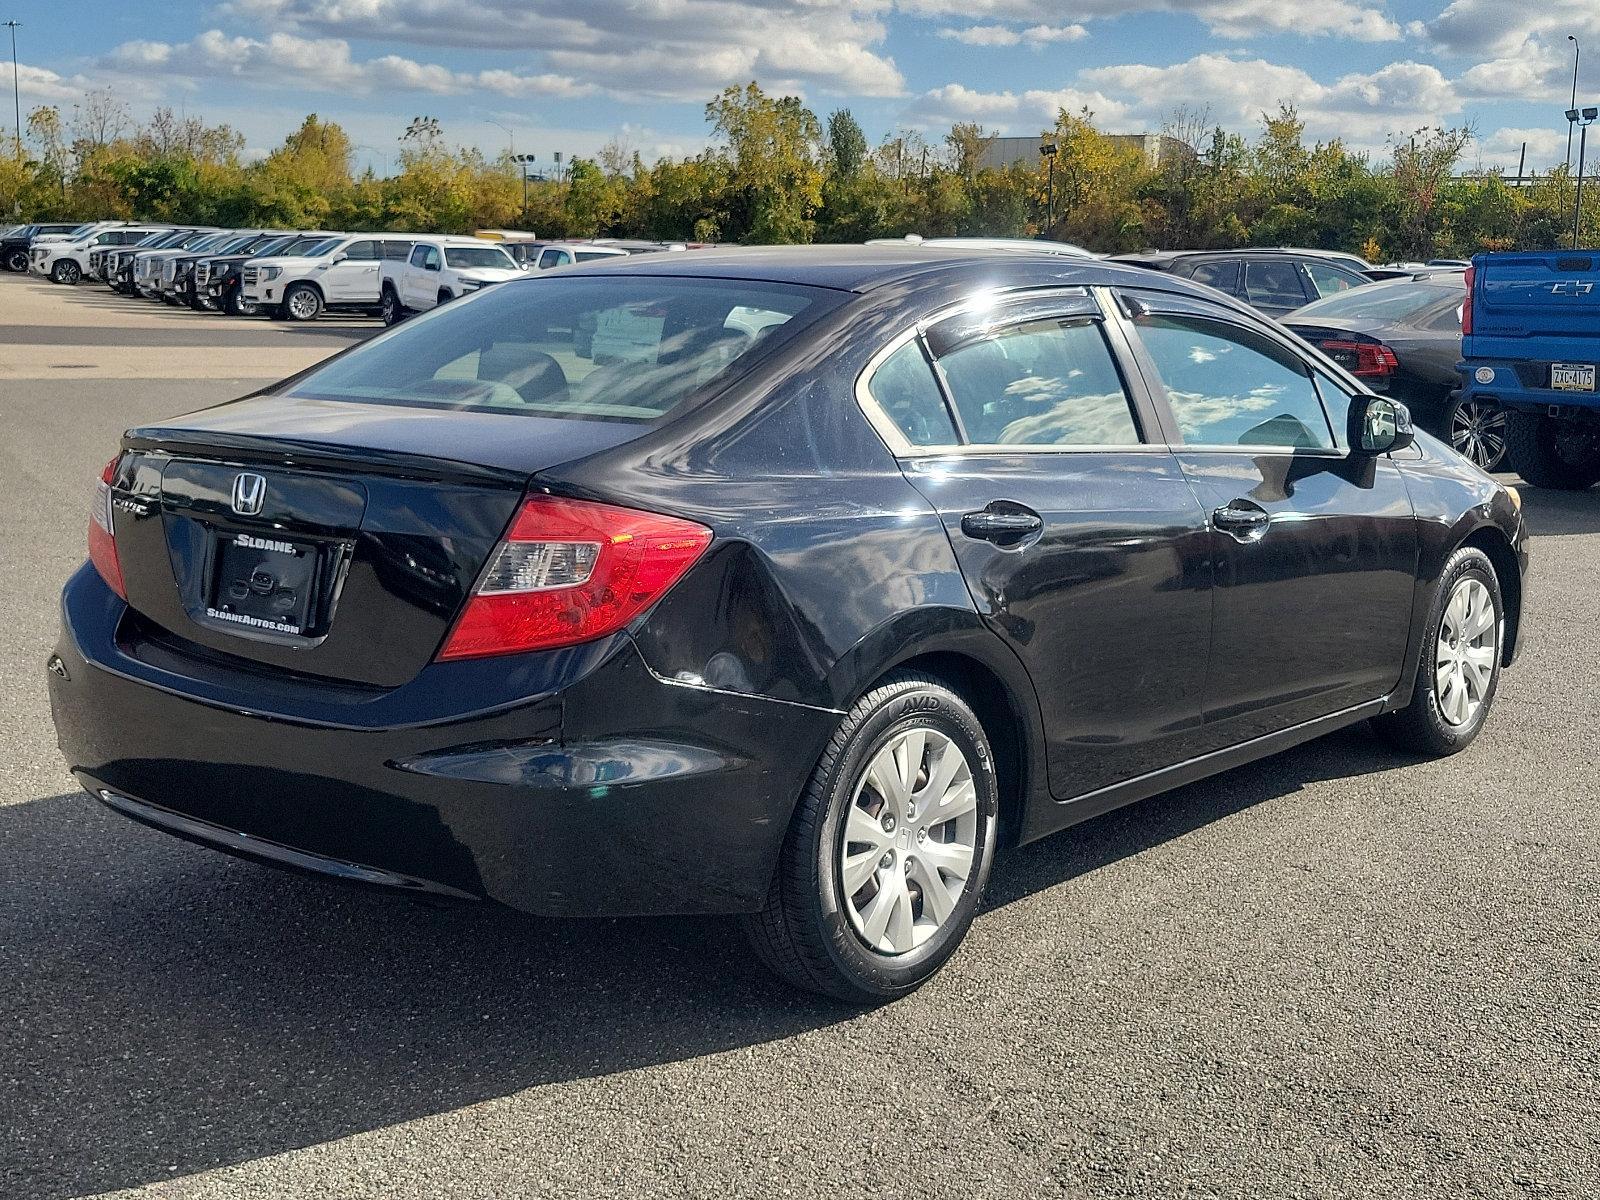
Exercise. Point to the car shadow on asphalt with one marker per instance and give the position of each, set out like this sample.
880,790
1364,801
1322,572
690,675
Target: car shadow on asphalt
168,1010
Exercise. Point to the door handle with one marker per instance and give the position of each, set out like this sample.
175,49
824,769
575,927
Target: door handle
1001,525
1242,520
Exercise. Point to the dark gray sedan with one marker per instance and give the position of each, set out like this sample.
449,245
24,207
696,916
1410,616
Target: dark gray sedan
1403,338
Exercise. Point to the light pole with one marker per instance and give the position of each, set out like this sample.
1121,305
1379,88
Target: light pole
524,161
1048,150
1575,50
1582,118
16,92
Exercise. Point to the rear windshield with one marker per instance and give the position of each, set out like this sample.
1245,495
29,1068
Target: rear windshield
478,256
605,348
1382,300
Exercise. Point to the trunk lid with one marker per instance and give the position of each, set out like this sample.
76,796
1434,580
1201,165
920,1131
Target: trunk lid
323,538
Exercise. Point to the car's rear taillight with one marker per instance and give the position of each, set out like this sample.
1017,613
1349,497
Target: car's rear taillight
570,571
1466,305
102,534
1366,360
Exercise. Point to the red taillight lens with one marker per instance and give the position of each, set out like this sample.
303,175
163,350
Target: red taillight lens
102,534
1367,359
570,571
1466,305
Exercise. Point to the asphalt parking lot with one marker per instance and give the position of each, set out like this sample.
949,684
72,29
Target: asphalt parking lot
1338,973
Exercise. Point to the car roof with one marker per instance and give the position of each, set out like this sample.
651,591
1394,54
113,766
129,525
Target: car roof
858,268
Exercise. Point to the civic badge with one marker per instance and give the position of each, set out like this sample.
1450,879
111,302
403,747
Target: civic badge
249,491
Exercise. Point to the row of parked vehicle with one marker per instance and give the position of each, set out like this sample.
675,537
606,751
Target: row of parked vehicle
294,275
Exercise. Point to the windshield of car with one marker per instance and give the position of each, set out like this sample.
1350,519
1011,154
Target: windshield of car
215,242
478,256
1384,301
235,243
585,347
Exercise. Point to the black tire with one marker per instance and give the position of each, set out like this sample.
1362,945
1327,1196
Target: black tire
804,934
1552,453
66,271
301,302
1476,430
391,311
235,305
16,260
1421,727
444,297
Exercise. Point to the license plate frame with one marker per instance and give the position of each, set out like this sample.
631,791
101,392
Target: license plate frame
266,584
1572,377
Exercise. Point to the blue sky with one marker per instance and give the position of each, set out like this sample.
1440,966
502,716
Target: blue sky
571,74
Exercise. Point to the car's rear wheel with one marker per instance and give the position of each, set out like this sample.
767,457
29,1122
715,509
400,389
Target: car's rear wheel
1553,453
1459,670
302,302
66,271
392,311
1477,430
889,850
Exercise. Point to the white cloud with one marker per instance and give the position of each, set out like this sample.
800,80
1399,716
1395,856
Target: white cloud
1500,28
1020,112
1503,148
658,49
1235,20
1360,108
40,83
322,65
1006,35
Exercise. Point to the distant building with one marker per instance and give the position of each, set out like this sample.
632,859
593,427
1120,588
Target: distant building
1157,148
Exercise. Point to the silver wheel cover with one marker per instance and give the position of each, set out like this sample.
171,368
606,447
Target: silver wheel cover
909,840
1469,644
1478,433
302,303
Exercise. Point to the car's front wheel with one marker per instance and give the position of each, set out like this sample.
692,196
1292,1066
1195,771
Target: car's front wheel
302,302
889,849
16,260
235,305
1459,670
66,271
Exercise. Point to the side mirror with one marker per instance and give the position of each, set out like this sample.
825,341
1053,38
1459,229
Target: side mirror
430,265
1379,425
338,258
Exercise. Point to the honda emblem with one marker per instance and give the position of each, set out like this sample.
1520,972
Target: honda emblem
249,491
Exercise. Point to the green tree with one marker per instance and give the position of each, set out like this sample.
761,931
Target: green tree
774,146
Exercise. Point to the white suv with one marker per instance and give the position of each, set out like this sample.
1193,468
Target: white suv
67,260
440,269
339,272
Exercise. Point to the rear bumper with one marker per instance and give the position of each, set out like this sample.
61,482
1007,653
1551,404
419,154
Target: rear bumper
1520,384
615,792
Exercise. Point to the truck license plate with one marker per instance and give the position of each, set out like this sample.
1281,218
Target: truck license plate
1566,377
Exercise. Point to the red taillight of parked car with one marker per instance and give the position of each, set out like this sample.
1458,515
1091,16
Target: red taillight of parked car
1466,305
1369,360
102,534
570,571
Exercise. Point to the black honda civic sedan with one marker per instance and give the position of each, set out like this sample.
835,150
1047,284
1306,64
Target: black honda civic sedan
790,583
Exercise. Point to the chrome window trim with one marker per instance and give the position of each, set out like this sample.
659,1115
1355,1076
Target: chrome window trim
895,440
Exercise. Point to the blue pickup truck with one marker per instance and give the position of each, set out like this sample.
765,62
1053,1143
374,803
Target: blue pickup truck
1531,344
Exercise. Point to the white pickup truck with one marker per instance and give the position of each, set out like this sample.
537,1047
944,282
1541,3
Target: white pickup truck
441,269
340,271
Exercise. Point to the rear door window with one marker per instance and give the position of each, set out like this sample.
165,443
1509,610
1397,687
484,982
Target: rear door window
905,389
1048,382
1222,274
